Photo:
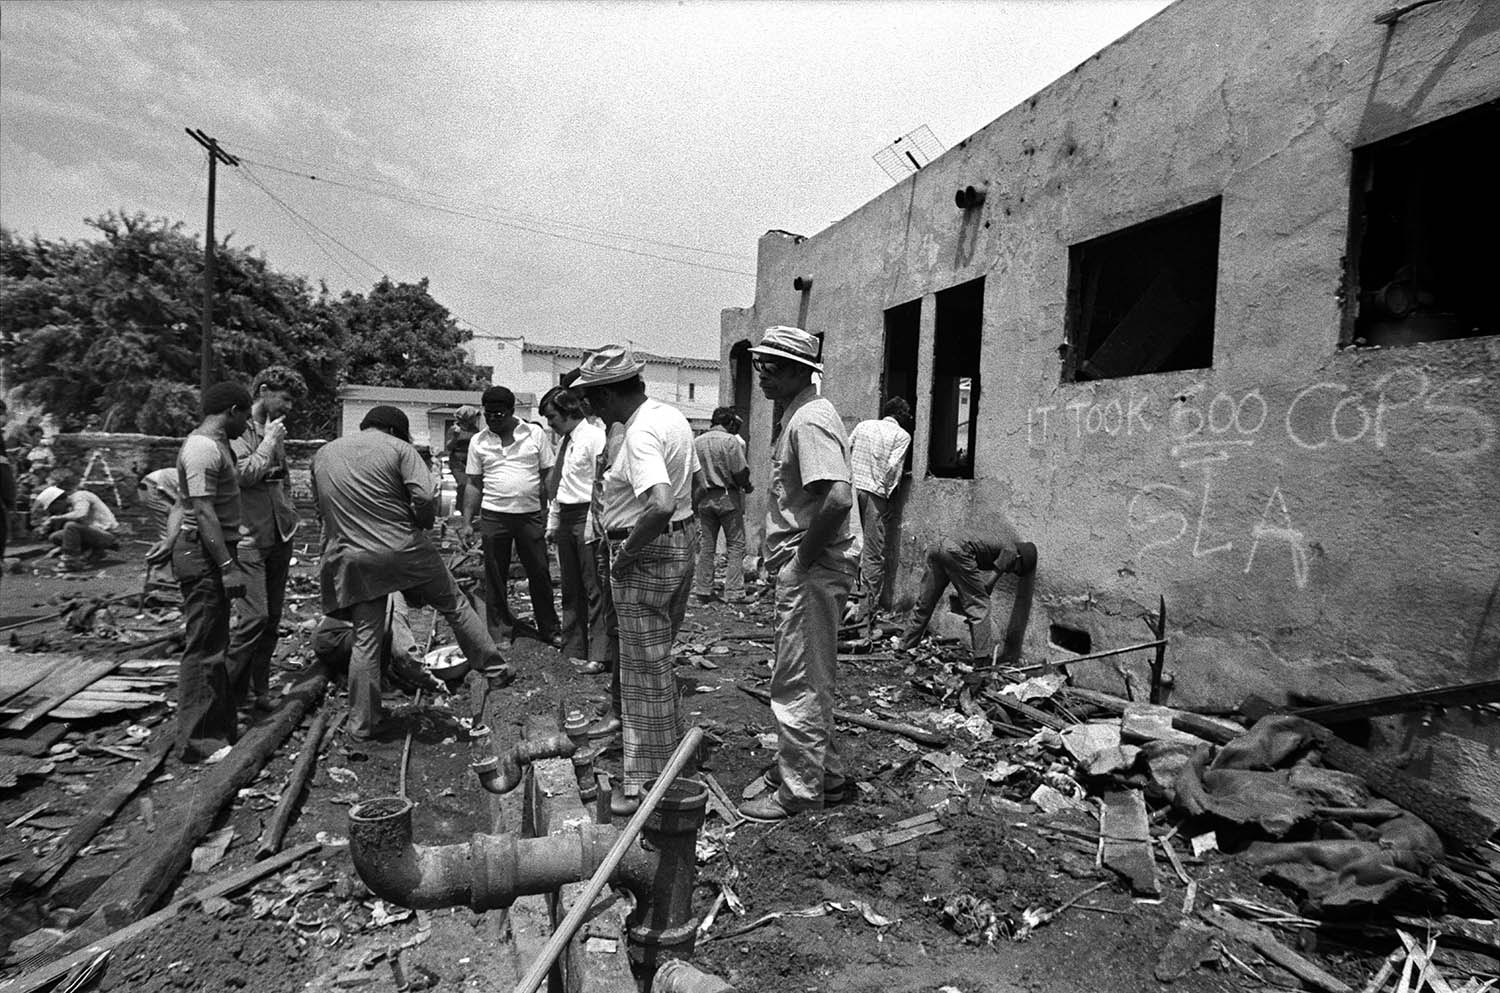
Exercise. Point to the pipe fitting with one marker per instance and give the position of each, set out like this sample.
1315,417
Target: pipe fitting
802,283
503,773
969,197
662,926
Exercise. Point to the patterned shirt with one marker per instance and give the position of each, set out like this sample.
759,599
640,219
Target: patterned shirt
877,455
722,456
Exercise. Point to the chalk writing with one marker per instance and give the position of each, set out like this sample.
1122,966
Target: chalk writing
1319,417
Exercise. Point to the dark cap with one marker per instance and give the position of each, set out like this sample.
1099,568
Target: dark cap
389,418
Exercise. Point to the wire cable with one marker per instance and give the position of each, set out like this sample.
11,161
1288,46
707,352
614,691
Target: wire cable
305,225
522,215
413,201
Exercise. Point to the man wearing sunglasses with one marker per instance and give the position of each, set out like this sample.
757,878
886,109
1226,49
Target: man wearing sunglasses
507,470
813,541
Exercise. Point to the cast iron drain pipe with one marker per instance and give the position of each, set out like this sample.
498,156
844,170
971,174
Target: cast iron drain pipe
503,773
491,870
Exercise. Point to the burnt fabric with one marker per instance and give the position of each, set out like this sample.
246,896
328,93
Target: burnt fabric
1267,778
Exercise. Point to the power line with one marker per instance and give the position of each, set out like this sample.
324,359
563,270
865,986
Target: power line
505,223
307,226
499,210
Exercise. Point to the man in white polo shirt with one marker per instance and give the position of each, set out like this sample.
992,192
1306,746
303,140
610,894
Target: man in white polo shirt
507,470
646,504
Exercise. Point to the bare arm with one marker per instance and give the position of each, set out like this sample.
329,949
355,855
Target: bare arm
836,499
659,505
211,534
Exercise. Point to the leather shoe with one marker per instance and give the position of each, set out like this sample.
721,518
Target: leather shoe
622,805
591,668
835,791
555,639
765,810
500,676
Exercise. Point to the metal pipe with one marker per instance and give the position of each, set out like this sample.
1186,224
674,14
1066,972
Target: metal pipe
679,977
501,774
687,749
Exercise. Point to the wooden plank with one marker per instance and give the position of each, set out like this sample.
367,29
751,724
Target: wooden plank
58,688
894,834
1262,941
18,673
35,743
45,976
1127,840
104,810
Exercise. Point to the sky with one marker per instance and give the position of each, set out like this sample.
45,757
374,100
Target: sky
574,173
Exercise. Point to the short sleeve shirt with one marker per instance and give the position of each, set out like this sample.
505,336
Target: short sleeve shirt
811,448
96,513
722,456
658,448
206,468
511,473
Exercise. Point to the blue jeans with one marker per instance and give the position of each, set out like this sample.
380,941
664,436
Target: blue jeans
205,709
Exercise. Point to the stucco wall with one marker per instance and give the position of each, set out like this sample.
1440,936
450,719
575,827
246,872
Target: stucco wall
1321,521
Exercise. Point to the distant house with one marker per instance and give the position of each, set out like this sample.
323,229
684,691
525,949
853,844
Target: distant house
690,384
429,411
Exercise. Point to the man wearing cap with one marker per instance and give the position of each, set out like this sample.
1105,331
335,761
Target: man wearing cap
76,520
507,469
726,478
646,510
376,501
877,457
812,541
270,520
206,564
989,549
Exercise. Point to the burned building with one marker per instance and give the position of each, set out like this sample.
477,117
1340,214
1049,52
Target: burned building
1213,318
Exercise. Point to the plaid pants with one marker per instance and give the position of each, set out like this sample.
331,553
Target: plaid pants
649,604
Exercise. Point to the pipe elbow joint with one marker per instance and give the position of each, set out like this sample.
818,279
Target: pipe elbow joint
503,773
477,874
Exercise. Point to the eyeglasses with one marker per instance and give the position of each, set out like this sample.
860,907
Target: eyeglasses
768,366
496,415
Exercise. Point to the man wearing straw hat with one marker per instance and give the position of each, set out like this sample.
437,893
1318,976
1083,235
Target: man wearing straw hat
812,540
646,506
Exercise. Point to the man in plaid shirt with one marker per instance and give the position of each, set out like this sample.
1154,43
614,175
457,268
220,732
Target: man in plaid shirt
877,459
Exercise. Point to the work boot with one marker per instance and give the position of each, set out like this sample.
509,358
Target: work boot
835,789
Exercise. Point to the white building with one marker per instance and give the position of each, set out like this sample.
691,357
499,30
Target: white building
690,384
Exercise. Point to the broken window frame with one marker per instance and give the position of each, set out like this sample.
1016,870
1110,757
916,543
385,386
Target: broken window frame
1093,261
955,361
1419,307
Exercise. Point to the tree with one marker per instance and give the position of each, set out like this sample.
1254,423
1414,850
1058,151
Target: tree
91,328
398,335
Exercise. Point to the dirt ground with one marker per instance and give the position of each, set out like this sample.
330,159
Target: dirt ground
943,912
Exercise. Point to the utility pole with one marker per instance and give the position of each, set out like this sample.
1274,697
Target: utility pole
215,156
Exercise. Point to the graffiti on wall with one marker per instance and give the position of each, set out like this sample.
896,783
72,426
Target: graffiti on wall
1406,411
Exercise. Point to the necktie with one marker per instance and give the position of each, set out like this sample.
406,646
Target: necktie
554,478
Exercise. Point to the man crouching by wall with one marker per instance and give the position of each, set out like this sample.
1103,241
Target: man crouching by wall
812,540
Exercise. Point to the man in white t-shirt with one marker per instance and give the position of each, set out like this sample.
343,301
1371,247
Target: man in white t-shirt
507,472
646,510
78,521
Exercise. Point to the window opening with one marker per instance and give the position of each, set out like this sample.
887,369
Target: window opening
692,391
1070,639
1141,300
898,373
958,331
1422,248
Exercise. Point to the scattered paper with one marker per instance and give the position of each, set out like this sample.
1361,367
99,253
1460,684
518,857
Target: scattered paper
212,849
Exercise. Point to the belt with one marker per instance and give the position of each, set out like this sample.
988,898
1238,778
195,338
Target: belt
620,534
573,506
500,515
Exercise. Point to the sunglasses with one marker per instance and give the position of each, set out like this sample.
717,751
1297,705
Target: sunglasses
769,366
